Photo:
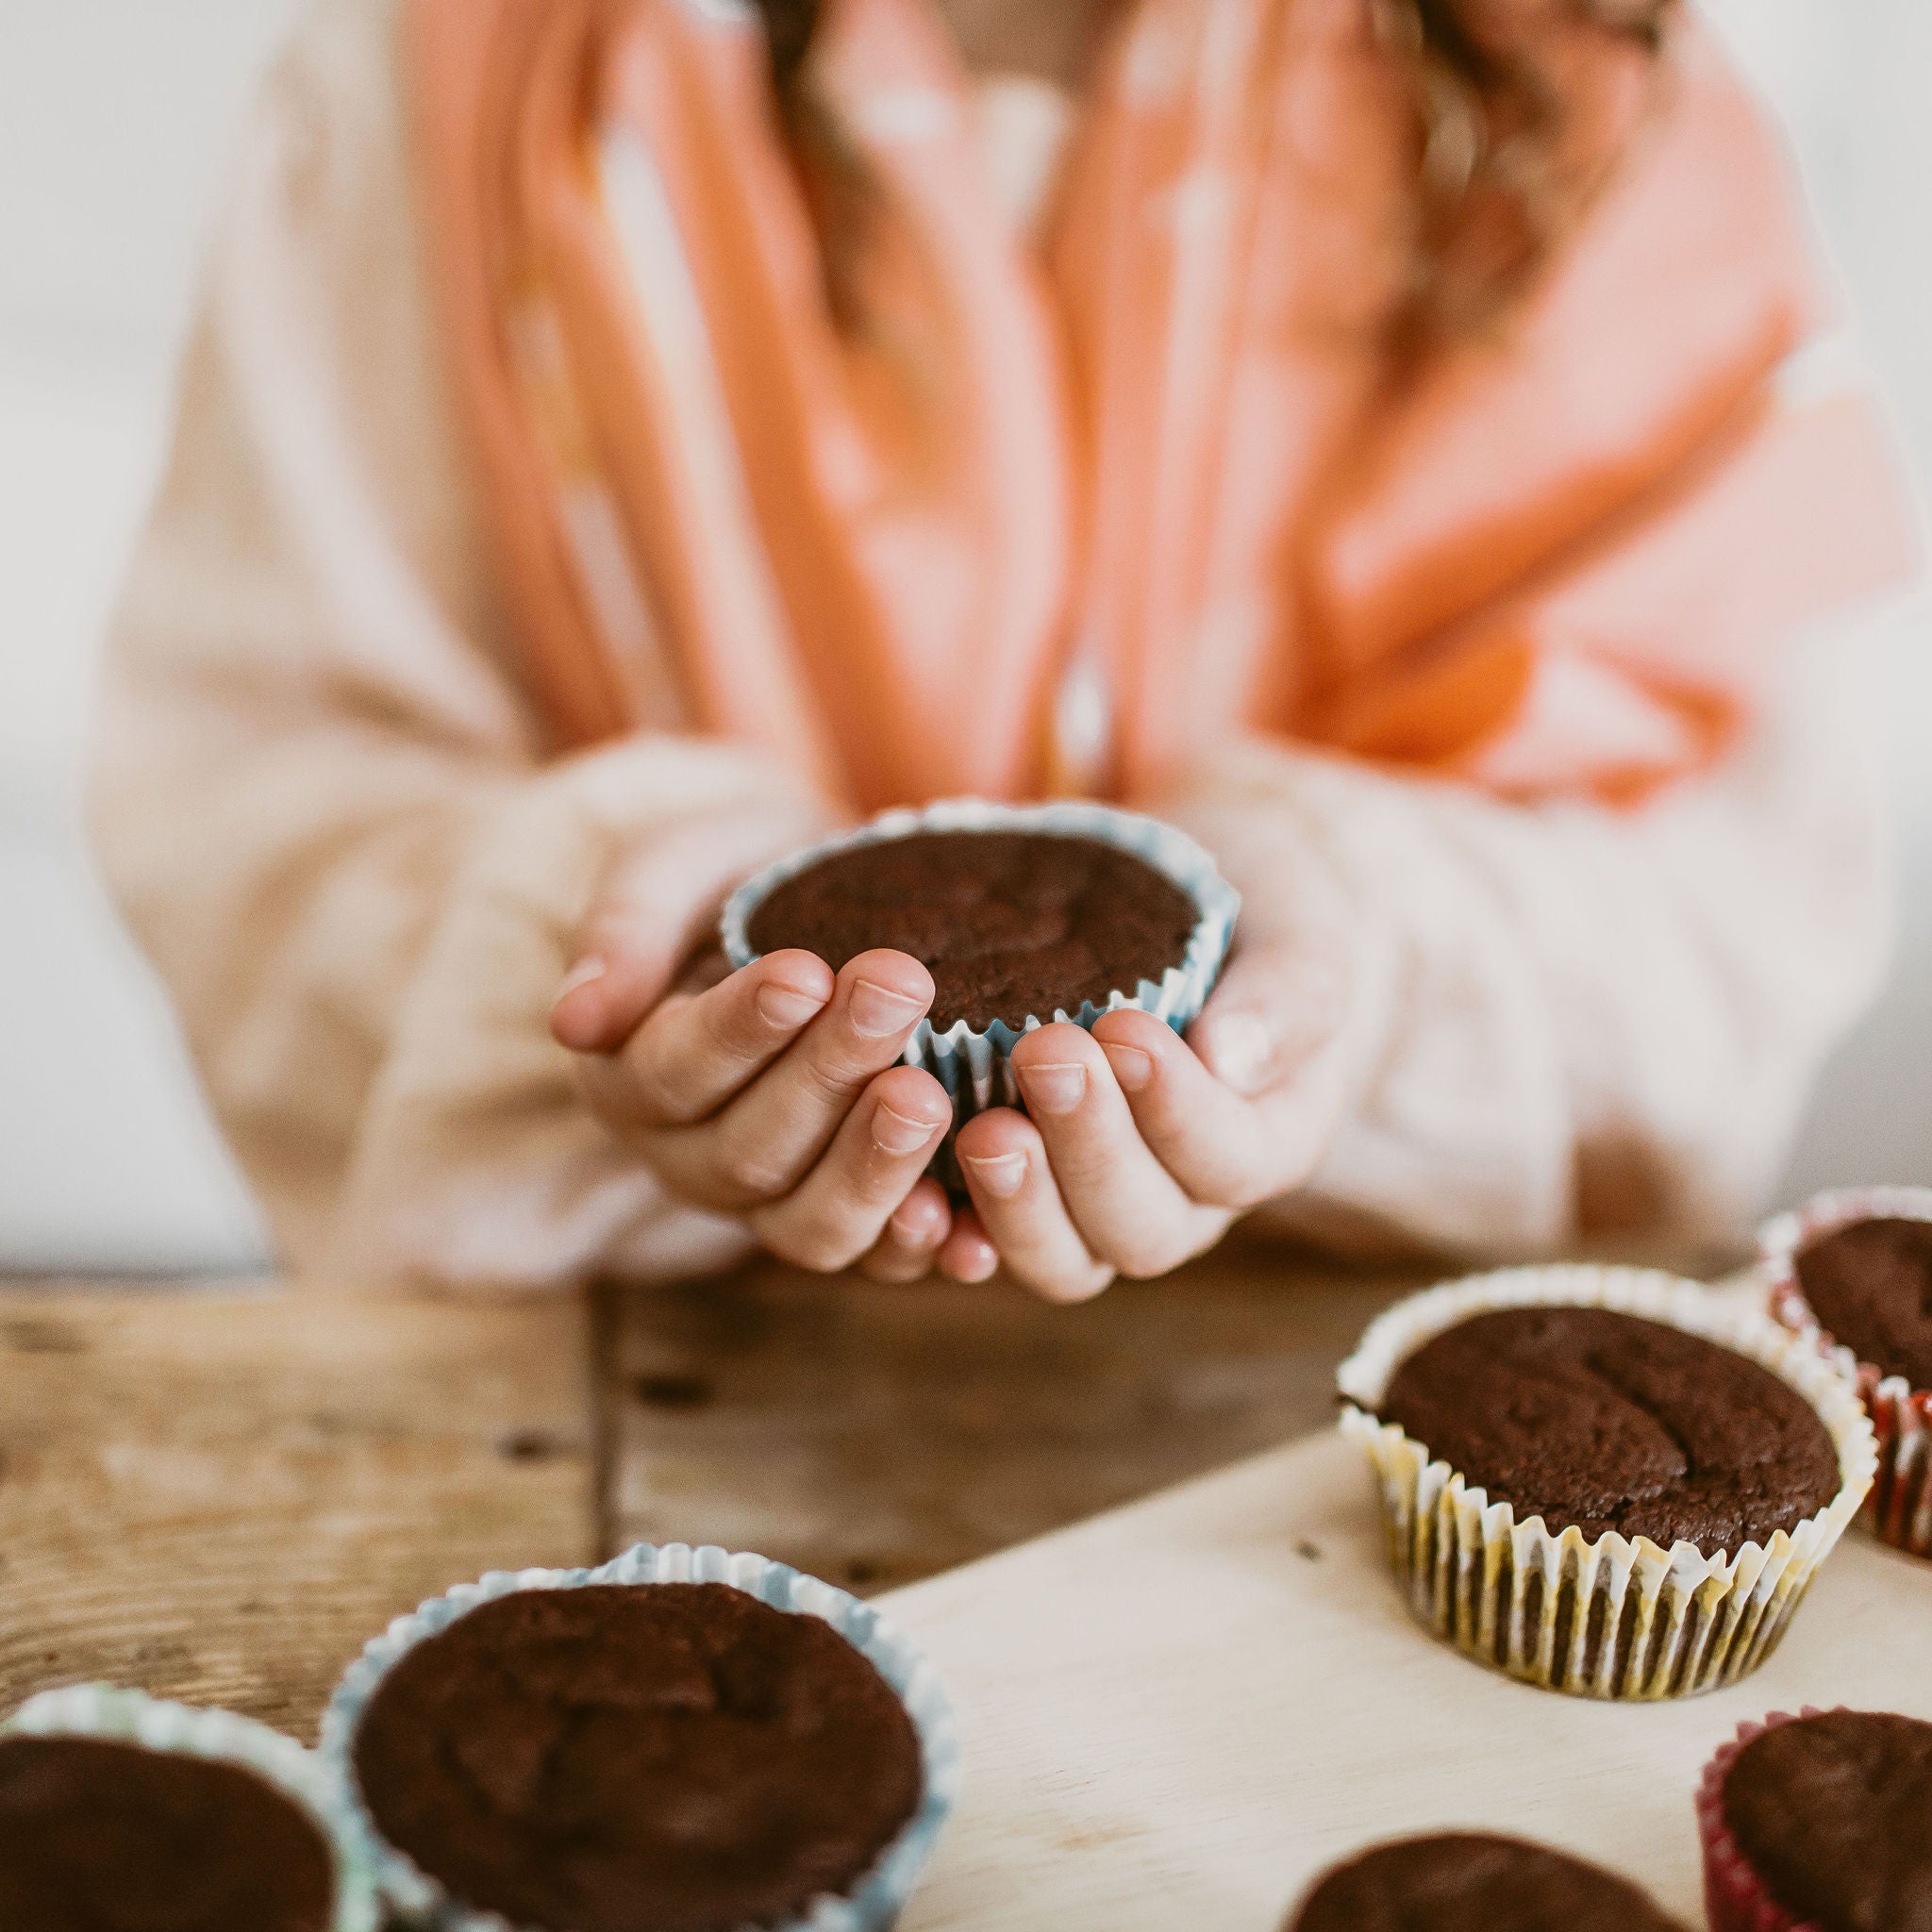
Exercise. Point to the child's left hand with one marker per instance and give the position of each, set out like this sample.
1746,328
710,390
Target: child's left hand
1143,1148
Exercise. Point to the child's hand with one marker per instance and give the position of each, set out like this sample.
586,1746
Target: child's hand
774,1093
1141,1148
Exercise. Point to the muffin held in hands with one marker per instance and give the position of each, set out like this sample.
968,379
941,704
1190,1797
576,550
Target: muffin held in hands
1024,915
1471,1882
1820,1823
1854,1269
1601,1481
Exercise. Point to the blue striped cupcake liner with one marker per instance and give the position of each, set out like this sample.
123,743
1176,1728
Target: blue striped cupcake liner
131,1717
872,1903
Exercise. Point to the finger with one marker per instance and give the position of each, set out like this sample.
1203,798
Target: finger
911,1238
698,1050
654,909
967,1255
764,1142
840,1209
1212,1140
1223,1148
1130,1211
1003,1159
1278,1003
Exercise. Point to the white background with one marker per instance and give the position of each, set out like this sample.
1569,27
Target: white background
116,117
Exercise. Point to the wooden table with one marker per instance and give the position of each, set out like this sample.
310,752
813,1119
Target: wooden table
217,1493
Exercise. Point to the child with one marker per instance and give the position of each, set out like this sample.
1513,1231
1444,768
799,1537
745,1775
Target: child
1395,440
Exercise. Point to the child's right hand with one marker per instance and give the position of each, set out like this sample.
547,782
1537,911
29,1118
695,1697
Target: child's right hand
775,1092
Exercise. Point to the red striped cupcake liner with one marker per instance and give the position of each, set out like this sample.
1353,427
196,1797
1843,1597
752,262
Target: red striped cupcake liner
1735,1899
1898,1510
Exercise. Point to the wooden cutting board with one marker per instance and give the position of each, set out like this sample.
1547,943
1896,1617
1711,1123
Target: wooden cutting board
1174,1715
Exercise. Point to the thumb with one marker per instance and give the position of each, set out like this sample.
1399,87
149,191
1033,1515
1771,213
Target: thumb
656,906
1279,1002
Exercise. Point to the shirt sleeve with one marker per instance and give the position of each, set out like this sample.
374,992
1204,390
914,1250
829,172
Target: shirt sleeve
318,794
1580,1022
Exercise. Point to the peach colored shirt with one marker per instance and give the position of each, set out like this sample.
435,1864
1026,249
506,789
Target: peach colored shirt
874,482
326,800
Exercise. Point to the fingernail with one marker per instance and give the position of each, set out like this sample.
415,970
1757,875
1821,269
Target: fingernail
786,1007
915,1224
577,1032
592,966
876,1010
1132,1068
976,1263
1000,1175
896,1133
1056,1086
1239,1046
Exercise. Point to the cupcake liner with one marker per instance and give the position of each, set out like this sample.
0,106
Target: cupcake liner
1615,1618
973,1065
1735,1899
1899,1510
131,1717
876,1899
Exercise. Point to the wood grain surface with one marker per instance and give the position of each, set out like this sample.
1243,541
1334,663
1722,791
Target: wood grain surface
218,1495
1175,1713
872,1436
1179,1714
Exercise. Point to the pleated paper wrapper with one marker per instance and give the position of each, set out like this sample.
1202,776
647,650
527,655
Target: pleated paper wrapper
1899,1509
872,1903
1612,1618
1735,1899
131,1717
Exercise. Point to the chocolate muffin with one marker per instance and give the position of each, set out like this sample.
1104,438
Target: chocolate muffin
1870,1286
1470,1882
1589,1417
1010,923
665,1758
1829,1812
98,1834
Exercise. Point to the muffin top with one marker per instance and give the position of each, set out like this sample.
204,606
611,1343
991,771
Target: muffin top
1831,1812
94,1833
660,1758
1871,1286
1608,1420
1467,1882
1010,923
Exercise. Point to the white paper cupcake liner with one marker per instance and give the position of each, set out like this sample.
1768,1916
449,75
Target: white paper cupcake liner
973,1065
1899,1509
1615,1618
131,1717
874,1902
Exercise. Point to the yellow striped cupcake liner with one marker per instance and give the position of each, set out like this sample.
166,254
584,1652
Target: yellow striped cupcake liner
1613,1618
